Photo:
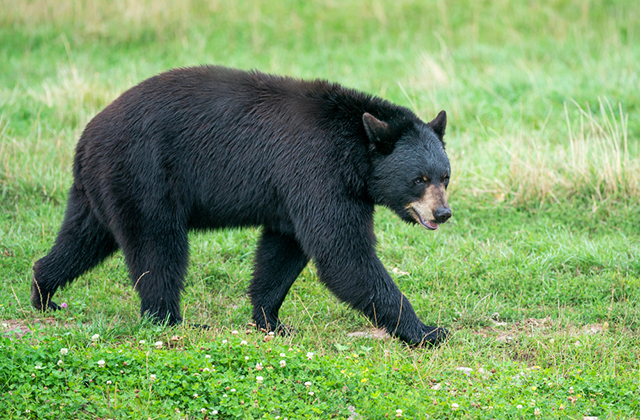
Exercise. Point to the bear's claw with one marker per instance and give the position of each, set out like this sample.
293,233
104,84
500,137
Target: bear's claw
430,337
41,301
433,336
283,330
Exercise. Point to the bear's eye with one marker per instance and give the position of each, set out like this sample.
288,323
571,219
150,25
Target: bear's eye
421,180
445,178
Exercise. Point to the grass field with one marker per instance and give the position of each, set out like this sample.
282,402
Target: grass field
537,274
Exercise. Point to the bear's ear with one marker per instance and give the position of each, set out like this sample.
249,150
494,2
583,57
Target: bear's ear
380,135
439,124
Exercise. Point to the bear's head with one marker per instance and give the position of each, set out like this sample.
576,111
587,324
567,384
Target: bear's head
410,168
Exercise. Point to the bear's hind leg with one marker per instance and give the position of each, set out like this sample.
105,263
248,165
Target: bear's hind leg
82,243
157,258
278,262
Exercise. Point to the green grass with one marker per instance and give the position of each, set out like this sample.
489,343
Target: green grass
537,274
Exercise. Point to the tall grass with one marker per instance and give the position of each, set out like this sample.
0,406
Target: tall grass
600,159
539,95
592,161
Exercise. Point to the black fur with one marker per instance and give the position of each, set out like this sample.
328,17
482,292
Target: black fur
211,147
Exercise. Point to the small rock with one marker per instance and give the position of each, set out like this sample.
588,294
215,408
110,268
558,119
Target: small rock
399,272
360,334
376,333
466,370
504,338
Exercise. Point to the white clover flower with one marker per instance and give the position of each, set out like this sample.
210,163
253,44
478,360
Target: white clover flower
309,355
537,412
259,379
95,337
214,412
311,393
158,344
519,406
283,363
224,395
203,411
246,357
259,366
455,406
195,395
234,332
282,355
307,384
224,341
232,390
38,366
152,377
206,370
207,356
142,342
60,362
64,351
398,413
243,343
101,363
271,333
108,382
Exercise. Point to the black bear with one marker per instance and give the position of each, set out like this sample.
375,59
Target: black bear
210,147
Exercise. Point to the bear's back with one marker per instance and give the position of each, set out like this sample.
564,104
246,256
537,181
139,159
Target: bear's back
228,144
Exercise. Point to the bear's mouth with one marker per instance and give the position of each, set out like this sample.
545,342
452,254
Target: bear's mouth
426,223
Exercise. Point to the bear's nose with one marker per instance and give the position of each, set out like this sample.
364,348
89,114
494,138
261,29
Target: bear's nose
442,214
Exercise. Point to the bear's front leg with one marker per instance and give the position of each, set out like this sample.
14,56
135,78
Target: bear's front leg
347,263
366,286
278,262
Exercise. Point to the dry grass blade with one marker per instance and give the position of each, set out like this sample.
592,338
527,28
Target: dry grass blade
593,162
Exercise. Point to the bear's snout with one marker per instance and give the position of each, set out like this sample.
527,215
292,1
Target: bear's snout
442,214
432,208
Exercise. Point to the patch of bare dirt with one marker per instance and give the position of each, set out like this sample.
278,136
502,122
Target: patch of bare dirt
18,328
376,333
505,332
